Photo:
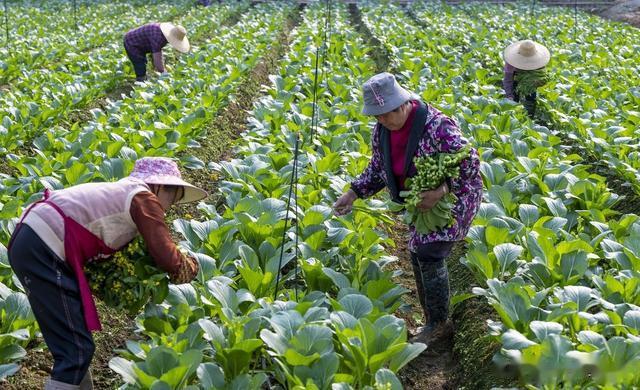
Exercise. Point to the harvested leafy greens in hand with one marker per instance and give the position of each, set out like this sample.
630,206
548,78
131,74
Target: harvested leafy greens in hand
129,279
432,171
527,81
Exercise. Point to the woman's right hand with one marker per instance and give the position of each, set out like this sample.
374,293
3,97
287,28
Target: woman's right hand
344,203
186,272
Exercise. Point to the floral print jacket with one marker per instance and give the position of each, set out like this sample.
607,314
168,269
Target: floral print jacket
438,134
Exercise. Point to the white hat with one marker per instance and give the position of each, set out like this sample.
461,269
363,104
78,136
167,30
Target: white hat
176,36
526,55
164,171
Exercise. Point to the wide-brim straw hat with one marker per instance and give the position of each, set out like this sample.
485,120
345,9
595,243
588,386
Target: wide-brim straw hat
176,36
527,55
164,171
382,94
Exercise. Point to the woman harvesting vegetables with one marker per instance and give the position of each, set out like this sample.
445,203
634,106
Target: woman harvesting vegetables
59,234
409,131
150,39
524,72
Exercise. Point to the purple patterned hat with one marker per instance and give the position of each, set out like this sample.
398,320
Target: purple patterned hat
162,170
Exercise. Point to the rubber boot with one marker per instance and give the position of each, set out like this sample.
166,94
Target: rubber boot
87,381
436,291
417,273
51,384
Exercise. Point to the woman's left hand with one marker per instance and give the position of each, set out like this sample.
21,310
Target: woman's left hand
431,198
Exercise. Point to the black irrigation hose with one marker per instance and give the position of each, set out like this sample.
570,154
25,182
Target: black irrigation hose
75,13
575,18
295,205
6,23
293,183
315,96
294,175
325,48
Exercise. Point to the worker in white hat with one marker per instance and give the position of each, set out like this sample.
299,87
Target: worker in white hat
151,38
524,63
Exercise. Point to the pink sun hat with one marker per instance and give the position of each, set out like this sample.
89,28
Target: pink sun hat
162,170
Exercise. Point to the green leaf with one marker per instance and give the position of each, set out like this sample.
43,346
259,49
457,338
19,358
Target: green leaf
529,214
294,358
338,278
408,353
75,172
512,339
386,379
174,376
459,298
557,208
573,264
507,254
7,370
160,360
632,319
12,352
357,305
313,338
10,209
497,232
123,367
592,338
157,140
210,376
543,329
160,385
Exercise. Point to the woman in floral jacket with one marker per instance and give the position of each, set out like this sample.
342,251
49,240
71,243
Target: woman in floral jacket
408,128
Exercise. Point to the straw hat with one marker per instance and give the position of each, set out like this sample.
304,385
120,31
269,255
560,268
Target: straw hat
382,94
161,170
176,36
526,55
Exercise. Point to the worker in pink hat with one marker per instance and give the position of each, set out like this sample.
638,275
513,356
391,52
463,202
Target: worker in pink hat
150,39
59,234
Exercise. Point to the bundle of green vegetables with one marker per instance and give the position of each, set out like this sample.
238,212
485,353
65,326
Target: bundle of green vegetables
527,81
129,279
432,171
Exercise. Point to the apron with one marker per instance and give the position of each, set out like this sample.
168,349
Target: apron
80,245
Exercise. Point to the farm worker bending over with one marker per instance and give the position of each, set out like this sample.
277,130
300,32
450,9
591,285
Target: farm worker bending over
151,38
524,63
67,228
408,128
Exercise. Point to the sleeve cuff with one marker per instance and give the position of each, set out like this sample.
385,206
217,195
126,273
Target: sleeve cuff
356,191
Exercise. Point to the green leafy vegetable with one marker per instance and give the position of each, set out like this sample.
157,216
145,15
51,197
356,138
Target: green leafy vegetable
432,171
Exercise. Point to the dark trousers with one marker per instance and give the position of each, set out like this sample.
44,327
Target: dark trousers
55,300
432,279
139,64
529,101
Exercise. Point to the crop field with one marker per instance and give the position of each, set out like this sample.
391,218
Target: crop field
265,113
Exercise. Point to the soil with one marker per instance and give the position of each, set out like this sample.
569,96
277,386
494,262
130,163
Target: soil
380,55
627,11
36,367
433,369
220,134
